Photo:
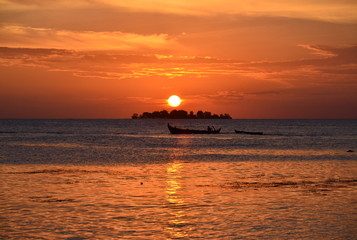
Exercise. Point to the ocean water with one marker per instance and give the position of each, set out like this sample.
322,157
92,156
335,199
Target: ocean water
132,179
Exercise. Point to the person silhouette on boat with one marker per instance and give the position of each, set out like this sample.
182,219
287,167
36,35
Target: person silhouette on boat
209,128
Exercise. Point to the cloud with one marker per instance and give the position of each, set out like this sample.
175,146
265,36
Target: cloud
339,11
19,5
318,50
116,65
265,93
350,69
331,56
328,10
224,96
114,25
245,80
112,64
29,37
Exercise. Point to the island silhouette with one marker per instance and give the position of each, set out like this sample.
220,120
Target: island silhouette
180,114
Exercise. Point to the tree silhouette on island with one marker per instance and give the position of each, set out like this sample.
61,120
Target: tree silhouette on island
179,114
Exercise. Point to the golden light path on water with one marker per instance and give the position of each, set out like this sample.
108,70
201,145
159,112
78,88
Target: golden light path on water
177,213
180,200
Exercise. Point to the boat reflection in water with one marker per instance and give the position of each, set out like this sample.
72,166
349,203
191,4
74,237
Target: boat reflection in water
246,132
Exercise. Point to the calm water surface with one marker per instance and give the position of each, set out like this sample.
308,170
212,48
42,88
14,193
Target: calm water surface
131,179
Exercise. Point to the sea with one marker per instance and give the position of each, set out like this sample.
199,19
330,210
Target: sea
132,179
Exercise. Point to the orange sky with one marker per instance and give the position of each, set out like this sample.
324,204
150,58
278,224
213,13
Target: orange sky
111,58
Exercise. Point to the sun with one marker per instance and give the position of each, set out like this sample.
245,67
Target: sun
174,101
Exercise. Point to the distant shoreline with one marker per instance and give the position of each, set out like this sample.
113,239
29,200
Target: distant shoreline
180,114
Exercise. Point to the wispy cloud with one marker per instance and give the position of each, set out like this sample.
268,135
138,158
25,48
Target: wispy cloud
116,65
225,96
328,10
340,11
30,37
319,50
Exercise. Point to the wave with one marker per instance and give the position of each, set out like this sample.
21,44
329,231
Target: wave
318,187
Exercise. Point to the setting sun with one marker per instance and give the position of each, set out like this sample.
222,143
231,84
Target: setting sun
174,101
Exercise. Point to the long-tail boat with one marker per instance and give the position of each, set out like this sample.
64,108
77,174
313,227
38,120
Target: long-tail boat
175,130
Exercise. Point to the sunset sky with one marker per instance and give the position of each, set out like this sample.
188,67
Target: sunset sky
113,58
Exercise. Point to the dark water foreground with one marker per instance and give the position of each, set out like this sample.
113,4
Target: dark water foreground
105,179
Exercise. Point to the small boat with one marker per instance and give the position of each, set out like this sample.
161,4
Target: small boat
175,130
251,133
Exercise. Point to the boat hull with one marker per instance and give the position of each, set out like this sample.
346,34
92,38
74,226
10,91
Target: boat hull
175,130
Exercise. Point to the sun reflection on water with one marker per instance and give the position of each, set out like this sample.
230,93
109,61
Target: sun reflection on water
177,221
